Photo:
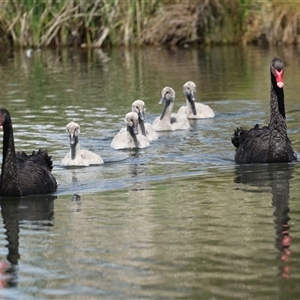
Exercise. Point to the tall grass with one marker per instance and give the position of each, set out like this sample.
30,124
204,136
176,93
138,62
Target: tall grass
98,23
43,23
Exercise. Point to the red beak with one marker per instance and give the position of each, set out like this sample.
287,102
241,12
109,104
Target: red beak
279,78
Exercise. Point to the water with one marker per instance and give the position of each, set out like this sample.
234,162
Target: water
176,220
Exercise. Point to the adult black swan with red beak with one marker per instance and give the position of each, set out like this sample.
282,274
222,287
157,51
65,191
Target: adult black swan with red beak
268,144
23,174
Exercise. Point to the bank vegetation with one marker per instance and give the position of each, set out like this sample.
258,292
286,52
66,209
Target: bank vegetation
107,23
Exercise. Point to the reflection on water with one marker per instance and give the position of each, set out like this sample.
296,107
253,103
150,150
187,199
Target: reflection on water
167,221
280,201
21,213
76,203
277,177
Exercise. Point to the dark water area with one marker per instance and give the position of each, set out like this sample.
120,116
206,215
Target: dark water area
176,220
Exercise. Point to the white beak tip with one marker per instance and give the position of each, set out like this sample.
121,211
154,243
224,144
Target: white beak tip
280,84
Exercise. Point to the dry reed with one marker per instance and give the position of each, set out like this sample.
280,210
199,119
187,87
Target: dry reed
273,22
98,23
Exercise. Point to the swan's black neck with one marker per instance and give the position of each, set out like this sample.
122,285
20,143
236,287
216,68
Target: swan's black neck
9,173
279,96
277,109
74,147
8,140
278,145
133,135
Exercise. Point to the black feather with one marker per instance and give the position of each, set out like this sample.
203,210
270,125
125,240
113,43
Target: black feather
23,174
269,143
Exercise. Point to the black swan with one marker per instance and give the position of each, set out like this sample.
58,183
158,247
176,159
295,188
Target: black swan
23,174
270,143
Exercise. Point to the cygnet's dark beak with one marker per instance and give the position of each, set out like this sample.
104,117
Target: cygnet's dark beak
191,99
72,139
167,103
141,115
135,129
162,100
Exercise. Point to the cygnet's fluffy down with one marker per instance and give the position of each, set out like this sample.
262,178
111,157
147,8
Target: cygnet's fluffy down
145,129
76,156
169,121
192,109
128,138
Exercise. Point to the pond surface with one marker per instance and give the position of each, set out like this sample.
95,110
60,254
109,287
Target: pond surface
176,220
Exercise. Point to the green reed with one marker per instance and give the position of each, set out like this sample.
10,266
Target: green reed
97,23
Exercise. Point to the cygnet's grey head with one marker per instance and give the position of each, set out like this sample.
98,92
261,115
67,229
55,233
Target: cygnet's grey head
167,95
138,106
189,89
132,120
73,129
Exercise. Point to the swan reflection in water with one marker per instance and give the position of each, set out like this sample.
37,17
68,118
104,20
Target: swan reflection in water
276,176
76,203
16,214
